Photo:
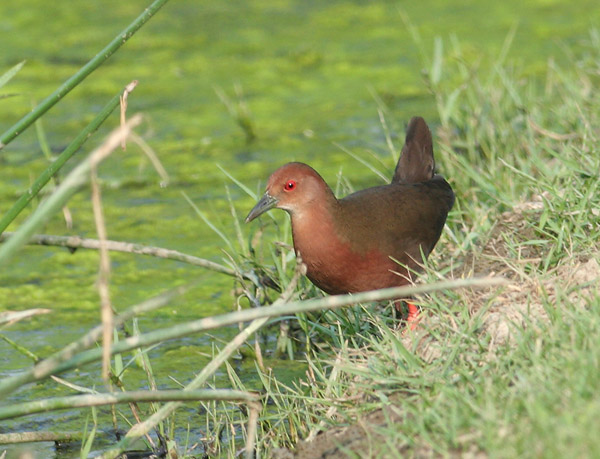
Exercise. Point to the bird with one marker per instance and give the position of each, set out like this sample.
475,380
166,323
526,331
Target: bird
373,238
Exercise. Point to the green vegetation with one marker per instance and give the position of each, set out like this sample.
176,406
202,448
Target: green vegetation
508,372
502,370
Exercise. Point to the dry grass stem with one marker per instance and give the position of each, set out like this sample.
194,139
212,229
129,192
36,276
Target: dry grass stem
153,157
103,275
123,105
77,242
96,157
255,409
7,318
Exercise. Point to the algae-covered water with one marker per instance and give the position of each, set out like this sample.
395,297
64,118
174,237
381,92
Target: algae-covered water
312,75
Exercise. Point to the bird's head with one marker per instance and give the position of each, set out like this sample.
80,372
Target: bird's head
294,187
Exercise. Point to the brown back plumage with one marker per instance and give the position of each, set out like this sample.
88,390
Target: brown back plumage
416,163
354,244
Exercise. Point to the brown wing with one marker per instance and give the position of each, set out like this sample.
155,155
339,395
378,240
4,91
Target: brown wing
399,217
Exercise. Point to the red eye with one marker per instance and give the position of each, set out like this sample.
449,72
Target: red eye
290,185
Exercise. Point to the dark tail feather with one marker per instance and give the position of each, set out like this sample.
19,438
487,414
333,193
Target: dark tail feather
416,163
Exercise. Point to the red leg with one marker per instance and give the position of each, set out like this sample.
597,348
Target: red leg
412,319
412,314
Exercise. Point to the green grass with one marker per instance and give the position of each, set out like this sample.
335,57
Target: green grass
505,373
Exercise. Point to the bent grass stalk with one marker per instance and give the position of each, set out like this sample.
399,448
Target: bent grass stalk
45,368
28,437
77,242
11,383
144,427
81,401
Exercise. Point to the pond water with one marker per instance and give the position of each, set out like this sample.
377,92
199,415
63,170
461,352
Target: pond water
307,72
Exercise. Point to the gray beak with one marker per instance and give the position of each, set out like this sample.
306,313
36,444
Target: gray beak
266,202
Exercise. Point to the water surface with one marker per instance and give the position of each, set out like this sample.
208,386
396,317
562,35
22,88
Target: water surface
307,71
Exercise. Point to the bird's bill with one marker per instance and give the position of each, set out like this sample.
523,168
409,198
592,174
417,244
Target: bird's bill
266,202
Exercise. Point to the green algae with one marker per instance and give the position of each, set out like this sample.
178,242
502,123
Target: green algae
307,71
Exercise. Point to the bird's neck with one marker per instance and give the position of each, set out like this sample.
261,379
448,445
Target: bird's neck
315,231
315,221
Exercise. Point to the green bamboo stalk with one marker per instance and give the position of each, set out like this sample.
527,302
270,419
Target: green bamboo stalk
78,77
79,401
64,191
10,384
68,152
